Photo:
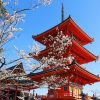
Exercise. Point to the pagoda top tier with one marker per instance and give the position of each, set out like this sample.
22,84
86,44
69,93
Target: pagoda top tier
70,28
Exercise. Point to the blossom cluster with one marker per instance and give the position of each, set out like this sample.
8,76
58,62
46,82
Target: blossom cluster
45,2
57,58
9,20
58,46
54,81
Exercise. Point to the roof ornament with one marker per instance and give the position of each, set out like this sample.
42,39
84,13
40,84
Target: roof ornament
62,13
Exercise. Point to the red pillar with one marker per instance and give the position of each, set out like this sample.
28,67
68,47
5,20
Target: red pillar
15,94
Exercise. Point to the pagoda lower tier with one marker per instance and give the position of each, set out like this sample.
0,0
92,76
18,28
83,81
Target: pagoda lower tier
75,72
77,77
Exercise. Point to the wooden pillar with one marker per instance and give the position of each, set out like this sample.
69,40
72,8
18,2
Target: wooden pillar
72,91
79,93
15,94
7,96
36,96
68,86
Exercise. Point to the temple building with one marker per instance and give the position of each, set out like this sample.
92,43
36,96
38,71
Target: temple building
75,74
14,82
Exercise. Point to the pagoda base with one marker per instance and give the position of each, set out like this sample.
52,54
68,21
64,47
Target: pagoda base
64,98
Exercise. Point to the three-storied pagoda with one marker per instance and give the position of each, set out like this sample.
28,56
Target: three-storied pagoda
77,76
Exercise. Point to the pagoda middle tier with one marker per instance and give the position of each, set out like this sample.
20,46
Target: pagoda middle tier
80,54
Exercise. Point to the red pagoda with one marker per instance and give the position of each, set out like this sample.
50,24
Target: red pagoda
77,76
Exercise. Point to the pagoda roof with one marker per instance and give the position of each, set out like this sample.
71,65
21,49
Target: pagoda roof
68,26
81,54
81,73
76,73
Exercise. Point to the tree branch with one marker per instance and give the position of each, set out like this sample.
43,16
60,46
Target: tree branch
3,63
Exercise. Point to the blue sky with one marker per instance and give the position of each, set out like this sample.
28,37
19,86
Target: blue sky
86,13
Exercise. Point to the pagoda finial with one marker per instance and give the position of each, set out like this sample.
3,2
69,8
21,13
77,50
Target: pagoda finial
69,16
62,13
